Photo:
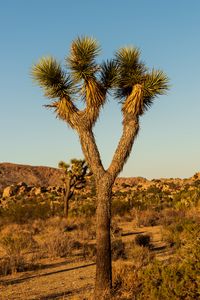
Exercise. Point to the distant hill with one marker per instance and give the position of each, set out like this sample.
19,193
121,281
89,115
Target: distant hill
32,175
47,176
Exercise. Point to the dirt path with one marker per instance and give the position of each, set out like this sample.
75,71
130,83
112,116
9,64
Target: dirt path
158,245
63,279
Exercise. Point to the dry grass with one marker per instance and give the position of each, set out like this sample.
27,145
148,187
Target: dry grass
17,248
22,246
65,251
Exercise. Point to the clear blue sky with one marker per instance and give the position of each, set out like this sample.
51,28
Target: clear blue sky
167,32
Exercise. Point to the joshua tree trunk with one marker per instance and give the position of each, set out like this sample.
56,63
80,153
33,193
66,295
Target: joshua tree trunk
103,218
104,180
66,198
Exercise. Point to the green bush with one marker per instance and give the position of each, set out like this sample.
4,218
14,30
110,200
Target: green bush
86,209
25,210
157,281
176,278
168,281
173,233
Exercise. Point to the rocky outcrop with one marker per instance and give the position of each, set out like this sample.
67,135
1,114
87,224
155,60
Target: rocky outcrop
9,191
196,176
23,189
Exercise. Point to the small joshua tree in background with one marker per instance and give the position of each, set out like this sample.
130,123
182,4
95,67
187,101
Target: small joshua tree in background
74,178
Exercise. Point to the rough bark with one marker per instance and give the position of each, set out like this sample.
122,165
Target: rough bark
91,152
103,283
104,181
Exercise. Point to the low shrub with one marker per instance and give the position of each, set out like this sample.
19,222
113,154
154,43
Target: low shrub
170,216
12,264
118,249
89,251
15,239
125,281
138,255
157,280
148,218
116,231
70,227
168,282
86,209
61,237
120,207
57,244
23,210
15,244
143,240
173,234
177,278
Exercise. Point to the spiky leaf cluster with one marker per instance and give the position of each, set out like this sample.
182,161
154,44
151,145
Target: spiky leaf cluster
133,84
129,72
155,83
50,76
132,73
81,60
108,74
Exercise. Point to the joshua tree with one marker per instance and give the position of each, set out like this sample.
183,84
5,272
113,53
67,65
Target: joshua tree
133,85
74,178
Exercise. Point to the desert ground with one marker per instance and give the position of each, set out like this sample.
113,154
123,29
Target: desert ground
46,255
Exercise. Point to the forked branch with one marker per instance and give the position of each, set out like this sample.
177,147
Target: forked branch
131,109
130,130
91,152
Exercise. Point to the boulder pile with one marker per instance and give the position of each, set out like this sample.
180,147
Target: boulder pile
22,188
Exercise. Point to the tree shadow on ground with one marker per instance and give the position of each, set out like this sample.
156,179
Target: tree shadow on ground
67,293
132,233
19,280
159,248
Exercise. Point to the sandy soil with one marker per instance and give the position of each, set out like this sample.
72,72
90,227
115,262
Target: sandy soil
64,279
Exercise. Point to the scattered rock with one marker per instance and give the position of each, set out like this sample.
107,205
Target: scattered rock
9,191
